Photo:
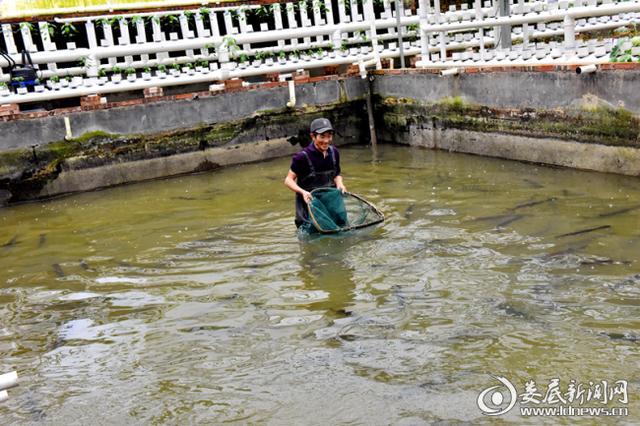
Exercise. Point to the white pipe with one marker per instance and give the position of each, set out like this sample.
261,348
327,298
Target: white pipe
450,71
292,94
9,380
4,395
556,15
586,69
67,126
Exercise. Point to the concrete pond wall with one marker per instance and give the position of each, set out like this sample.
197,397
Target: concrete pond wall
543,115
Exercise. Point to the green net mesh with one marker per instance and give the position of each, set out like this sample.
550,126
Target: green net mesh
330,211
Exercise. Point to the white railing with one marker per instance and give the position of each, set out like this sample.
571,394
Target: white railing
457,38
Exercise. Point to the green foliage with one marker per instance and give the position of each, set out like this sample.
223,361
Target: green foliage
295,53
146,70
116,70
188,65
102,72
162,68
3,85
135,19
18,79
130,71
50,28
54,79
281,54
68,30
243,58
29,26
175,66
84,62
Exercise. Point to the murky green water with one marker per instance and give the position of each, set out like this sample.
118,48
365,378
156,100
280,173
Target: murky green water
192,301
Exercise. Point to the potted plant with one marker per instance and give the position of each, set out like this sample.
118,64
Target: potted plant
131,74
305,55
65,81
161,71
116,77
294,55
244,60
268,58
344,50
102,75
38,87
205,67
146,73
319,53
282,57
175,69
332,51
257,58
188,68
68,30
4,89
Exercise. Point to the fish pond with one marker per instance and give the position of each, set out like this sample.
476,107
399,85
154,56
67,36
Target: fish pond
492,287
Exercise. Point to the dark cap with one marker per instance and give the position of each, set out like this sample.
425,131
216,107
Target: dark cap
321,125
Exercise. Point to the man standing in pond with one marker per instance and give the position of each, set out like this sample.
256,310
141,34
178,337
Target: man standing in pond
316,166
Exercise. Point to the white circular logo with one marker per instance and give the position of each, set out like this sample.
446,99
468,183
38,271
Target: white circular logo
497,398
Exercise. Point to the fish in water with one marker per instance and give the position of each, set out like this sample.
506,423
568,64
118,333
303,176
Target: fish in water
618,212
583,231
497,217
43,238
604,262
58,269
622,336
85,266
534,184
633,279
401,300
407,214
522,206
12,242
215,306
507,222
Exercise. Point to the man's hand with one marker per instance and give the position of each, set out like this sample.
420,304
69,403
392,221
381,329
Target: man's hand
307,196
340,185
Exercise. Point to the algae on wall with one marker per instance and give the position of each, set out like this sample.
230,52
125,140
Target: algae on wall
24,173
589,120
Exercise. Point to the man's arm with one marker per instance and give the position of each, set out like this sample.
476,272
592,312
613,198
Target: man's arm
339,184
290,182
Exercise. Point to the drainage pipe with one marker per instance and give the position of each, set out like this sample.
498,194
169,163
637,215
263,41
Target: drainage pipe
450,71
399,29
586,69
292,94
9,380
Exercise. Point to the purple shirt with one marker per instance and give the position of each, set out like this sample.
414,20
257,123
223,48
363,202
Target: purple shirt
300,165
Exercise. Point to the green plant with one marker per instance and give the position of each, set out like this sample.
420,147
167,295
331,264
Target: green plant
211,47
27,25
116,70
3,85
205,64
243,58
102,72
172,21
282,55
130,71
188,65
84,62
17,79
50,28
68,30
320,51
135,19
231,45
204,11
146,70
175,66
295,53
54,79
361,33
262,12
331,46
259,55
319,6
68,78
153,18
344,46
162,68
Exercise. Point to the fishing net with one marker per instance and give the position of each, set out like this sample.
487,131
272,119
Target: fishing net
330,211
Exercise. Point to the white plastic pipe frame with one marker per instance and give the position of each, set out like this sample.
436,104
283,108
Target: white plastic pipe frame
7,381
334,32
292,94
449,71
586,69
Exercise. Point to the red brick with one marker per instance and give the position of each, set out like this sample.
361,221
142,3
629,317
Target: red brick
624,66
300,80
330,70
9,109
273,76
233,83
471,70
353,69
316,79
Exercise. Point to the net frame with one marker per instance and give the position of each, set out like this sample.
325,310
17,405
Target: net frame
373,208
